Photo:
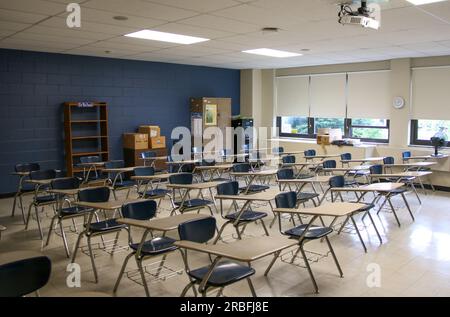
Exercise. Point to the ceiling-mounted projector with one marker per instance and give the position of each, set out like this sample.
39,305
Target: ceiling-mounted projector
367,16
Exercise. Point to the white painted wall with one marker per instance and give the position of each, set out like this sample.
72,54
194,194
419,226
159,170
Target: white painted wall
258,95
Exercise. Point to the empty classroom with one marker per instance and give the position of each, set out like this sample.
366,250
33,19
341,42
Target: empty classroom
263,148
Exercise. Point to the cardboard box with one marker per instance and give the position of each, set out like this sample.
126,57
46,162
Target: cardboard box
153,131
136,141
158,142
323,139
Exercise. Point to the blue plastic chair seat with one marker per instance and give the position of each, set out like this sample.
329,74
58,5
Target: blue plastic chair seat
255,188
224,273
367,206
303,176
220,179
306,196
70,211
125,183
192,203
156,246
45,199
350,183
27,188
398,191
247,215
314,232
106,225
158,192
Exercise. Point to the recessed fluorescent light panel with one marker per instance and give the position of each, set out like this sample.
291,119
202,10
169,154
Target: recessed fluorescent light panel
166,37
420,2
271,53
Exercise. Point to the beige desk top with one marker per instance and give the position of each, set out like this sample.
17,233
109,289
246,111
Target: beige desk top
301,164
257,173
156,158
214,167
92,164
428,157
21,173
40,181
264,159
152,177
73,191
330,209
183,162
205,185
348,169
109,205
315,179
246,250
412,164
8,257
261,196
290,152
403,174
364,160
322,156
118,170
375,187
162,224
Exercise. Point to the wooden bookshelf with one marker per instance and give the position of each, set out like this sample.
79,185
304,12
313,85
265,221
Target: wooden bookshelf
85,133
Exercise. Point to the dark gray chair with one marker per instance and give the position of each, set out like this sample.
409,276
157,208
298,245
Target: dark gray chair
219,274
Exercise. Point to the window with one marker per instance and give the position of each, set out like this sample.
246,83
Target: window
294,126
423,130
375,130
332,123
371,130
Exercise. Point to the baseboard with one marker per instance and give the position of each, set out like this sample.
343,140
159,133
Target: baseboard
437,187
6,195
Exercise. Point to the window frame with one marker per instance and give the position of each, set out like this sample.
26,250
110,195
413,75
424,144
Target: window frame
296,135
414,135
347,130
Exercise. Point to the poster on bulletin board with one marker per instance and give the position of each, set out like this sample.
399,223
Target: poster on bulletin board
210,114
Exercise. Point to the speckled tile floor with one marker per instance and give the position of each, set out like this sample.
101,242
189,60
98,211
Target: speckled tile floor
414,260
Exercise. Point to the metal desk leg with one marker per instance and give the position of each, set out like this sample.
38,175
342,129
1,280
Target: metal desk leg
407,206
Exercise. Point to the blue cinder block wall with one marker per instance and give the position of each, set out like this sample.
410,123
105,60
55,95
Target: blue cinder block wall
34,85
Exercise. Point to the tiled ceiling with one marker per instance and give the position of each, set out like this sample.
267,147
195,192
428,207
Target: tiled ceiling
232,26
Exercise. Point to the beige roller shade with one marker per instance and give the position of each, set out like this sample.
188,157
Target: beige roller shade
431,93
369,95
328,96
292,96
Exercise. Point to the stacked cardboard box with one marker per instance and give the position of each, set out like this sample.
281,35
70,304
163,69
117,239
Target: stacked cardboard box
156,141
136,141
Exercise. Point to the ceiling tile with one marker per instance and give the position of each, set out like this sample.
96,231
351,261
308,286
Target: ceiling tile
232,26
106,17
60,22
141,8
35,43
13,26
192,30
21,17
67,32
198,5
220,23
34,6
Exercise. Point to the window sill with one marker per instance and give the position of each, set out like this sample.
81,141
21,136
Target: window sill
313,141
429,147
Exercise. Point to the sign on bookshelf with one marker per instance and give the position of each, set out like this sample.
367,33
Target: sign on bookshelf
85,104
